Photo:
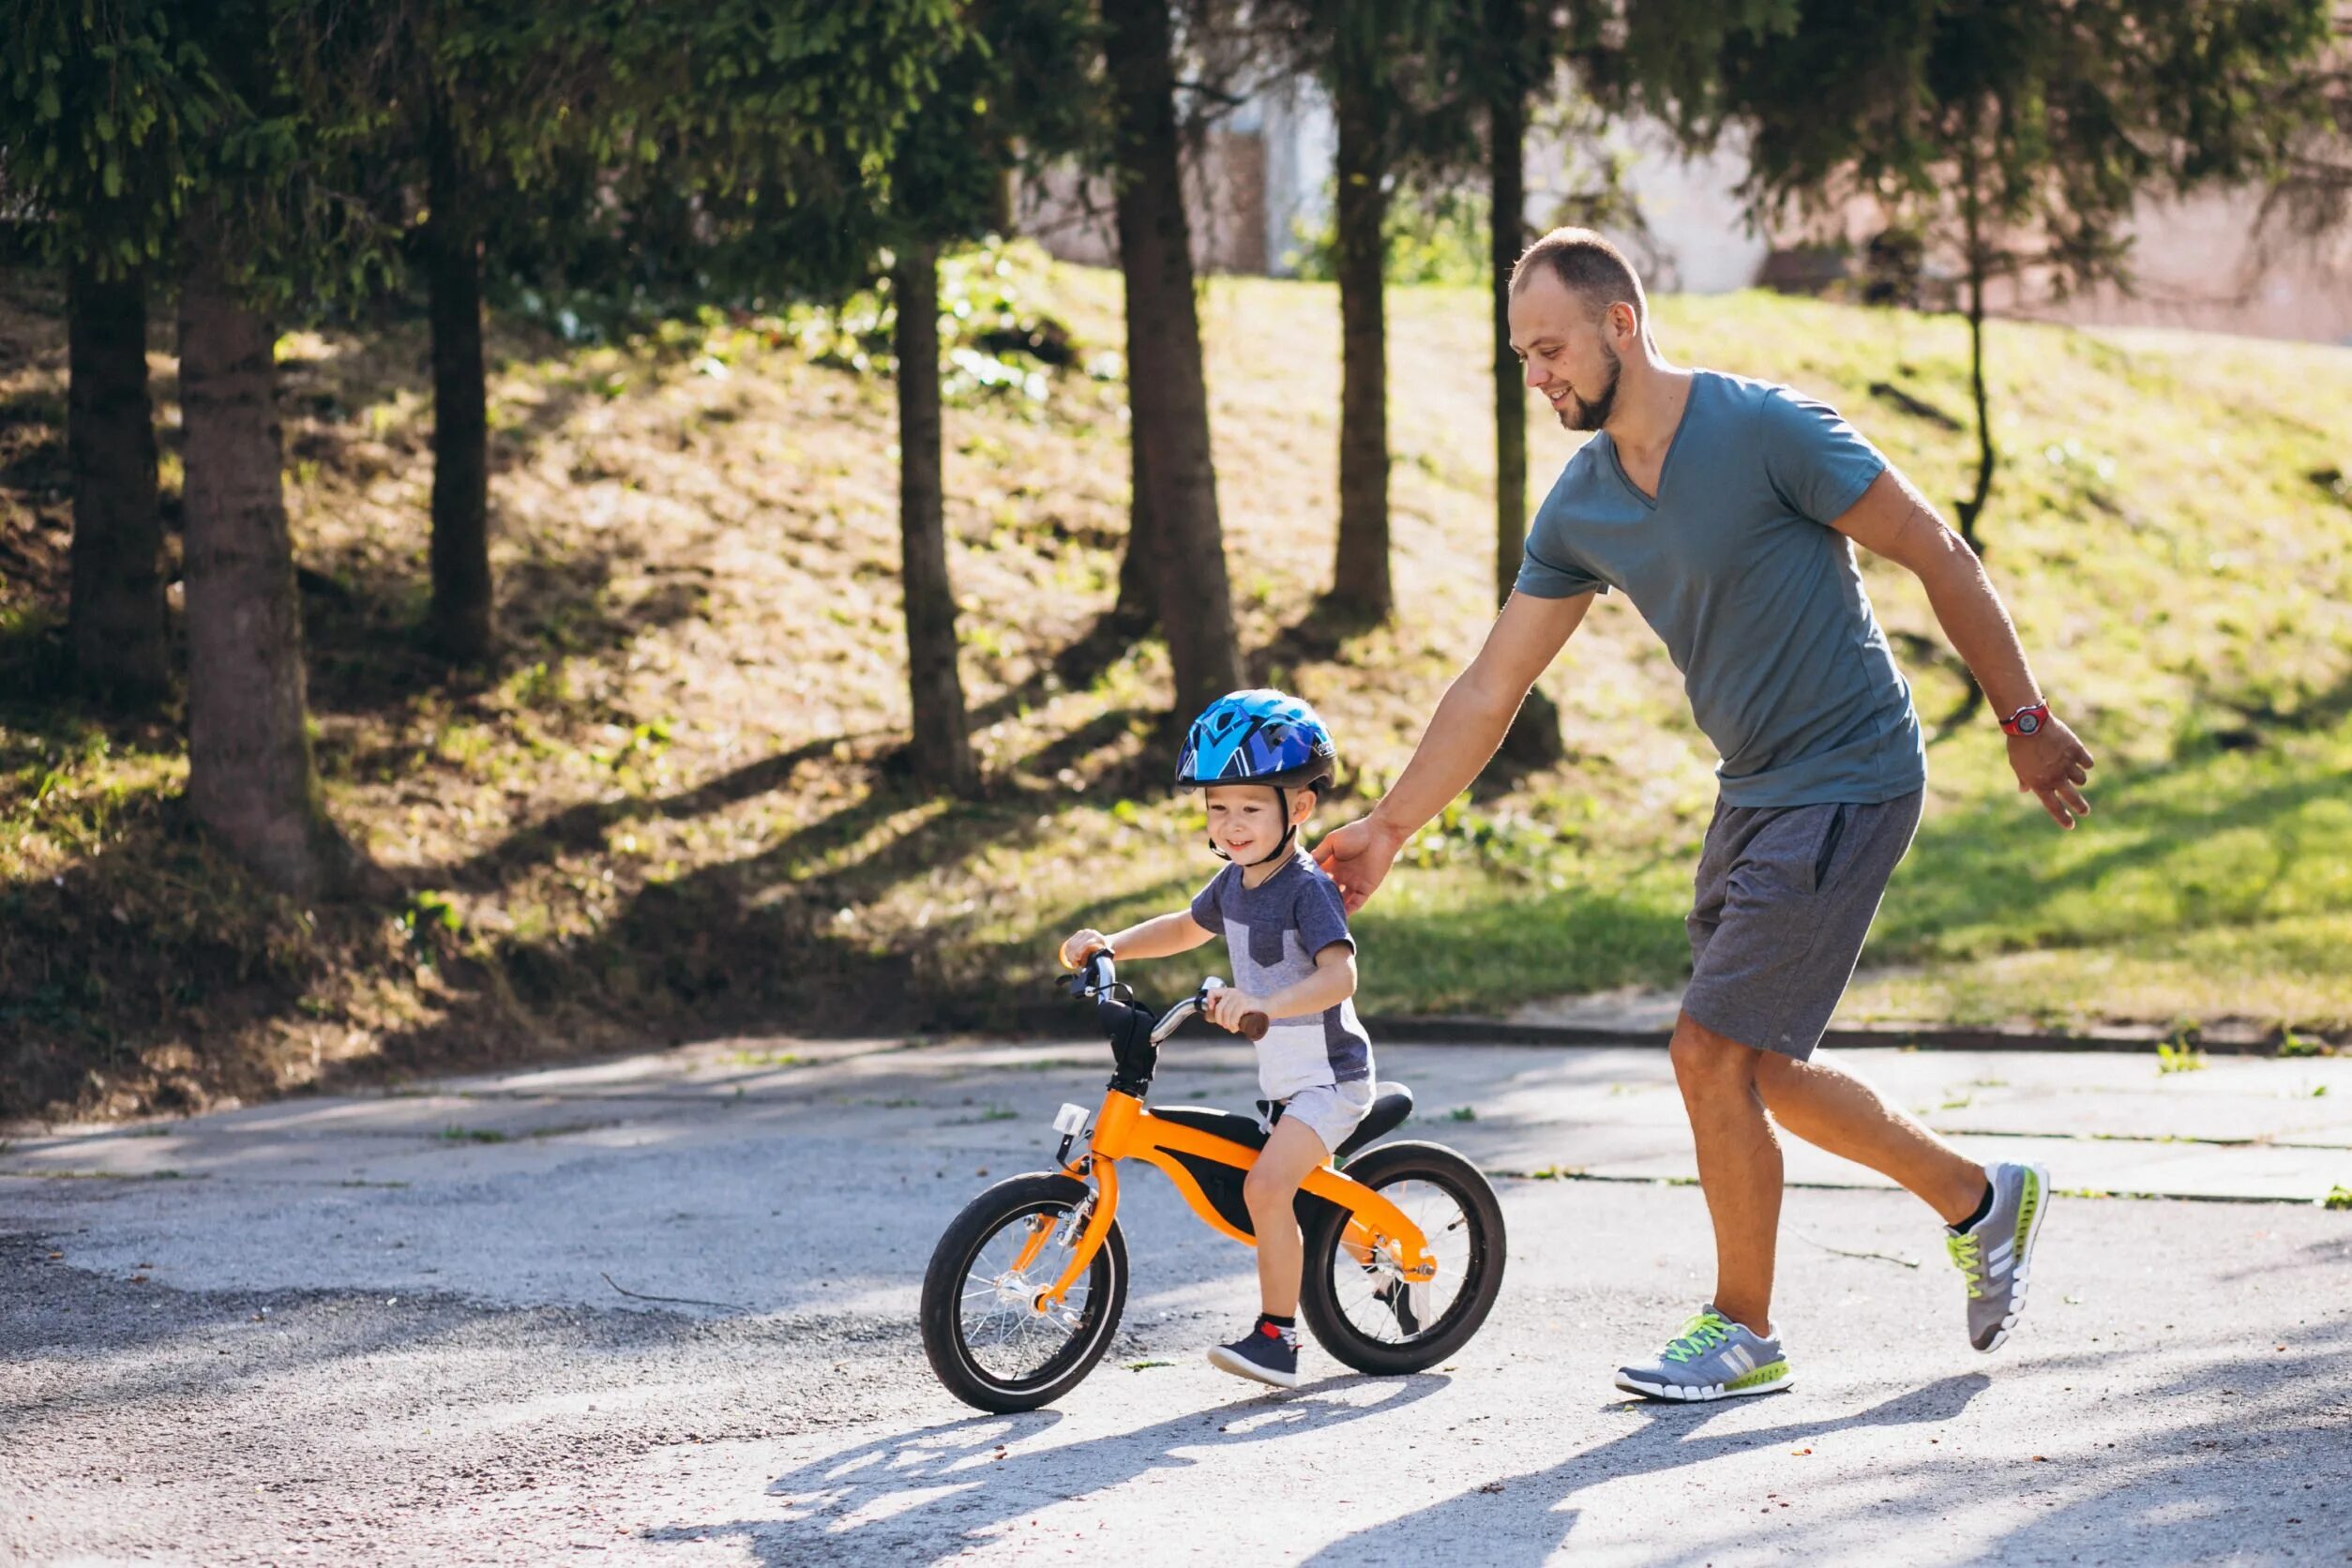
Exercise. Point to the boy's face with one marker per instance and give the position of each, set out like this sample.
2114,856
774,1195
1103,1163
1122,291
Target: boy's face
1246,821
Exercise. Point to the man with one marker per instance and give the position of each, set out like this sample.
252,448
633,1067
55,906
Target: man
1723,508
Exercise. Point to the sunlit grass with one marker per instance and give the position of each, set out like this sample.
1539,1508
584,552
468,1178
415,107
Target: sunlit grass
672,793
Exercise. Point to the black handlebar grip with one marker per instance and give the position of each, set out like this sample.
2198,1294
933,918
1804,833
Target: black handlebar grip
1254,1025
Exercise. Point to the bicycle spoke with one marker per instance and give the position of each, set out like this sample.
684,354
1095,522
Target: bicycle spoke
1005,1334
1441,1218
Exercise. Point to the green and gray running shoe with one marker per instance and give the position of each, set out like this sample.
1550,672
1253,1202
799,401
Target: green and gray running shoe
1996,1253
1713,1358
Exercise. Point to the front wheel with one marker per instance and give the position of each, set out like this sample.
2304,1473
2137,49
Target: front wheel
986,1339
1361,1308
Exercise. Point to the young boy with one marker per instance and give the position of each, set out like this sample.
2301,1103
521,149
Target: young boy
1263,760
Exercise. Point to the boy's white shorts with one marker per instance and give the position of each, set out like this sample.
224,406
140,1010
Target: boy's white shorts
1333,1109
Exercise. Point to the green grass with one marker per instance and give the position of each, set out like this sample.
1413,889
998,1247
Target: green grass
2166,532
2180,1058
668,810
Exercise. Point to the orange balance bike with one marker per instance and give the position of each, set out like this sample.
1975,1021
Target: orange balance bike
1404,1241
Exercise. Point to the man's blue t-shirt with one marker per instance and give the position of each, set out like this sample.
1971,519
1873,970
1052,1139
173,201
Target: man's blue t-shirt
1758,599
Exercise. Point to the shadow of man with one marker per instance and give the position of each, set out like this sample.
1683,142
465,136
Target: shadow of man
1528,1518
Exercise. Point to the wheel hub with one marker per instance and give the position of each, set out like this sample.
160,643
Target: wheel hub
1014,1287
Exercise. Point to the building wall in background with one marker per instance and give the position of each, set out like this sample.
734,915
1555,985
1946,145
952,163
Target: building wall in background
1254,180
1260,178
2202,265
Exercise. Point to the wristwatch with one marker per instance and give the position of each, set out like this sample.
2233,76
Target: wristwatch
2027,721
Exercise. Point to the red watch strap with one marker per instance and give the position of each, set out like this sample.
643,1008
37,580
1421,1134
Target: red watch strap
2038,711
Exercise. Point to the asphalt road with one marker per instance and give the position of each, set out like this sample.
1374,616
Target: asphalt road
393,1330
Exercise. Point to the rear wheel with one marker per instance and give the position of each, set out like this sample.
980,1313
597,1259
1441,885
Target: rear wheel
1362,1310
981,1329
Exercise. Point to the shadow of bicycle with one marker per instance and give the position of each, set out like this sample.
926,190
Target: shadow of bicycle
931,1492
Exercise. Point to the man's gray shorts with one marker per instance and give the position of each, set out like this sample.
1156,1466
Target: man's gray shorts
1784,897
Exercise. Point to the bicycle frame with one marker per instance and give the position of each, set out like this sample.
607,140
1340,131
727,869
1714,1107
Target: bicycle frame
1125,1129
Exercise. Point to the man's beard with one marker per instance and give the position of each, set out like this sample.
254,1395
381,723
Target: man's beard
1590,414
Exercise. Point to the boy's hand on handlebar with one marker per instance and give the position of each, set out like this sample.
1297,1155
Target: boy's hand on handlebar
1227,1007
1357,857
1081,946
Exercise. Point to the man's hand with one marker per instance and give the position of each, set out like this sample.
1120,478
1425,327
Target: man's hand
1357,857
2053,765
1227,1004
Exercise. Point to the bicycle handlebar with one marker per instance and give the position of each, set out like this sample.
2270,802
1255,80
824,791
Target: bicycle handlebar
1098,973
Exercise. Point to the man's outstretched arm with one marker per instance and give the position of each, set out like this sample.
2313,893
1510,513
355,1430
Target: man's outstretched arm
1463,733
1894,520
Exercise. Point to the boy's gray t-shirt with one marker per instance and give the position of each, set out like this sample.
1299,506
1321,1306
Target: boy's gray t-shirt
1756,597
1272,934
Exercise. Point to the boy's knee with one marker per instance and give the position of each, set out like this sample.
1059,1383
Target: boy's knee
1262,1191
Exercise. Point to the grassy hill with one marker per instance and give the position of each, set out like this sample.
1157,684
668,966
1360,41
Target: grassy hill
671,811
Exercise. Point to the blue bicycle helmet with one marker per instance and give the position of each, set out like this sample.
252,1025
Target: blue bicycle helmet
1259,737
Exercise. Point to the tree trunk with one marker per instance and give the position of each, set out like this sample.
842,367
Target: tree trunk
942,747
1978,264
1136,610
115,614
1166,390
460,624
1533,738
1506,236
1971,510
1361,588
250,778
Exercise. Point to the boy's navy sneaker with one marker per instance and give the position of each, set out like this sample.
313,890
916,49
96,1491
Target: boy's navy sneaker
1268,1353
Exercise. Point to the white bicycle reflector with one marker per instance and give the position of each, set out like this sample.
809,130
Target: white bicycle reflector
1070,1120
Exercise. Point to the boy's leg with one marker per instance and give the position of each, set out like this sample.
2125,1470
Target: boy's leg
1273,1183
1739,1166
1830,1108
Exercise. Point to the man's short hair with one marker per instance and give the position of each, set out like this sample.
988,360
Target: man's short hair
1594,270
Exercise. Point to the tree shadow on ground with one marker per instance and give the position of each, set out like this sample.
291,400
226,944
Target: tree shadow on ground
2136,1502
1318,636
963,1478
1528,1518
758,941
364,611
161,1338
1987,862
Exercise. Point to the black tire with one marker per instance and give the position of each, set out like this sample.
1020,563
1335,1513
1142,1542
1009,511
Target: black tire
1329,1271
959,1366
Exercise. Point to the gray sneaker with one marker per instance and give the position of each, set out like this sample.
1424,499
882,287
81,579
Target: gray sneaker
1996,1253
1713,1358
